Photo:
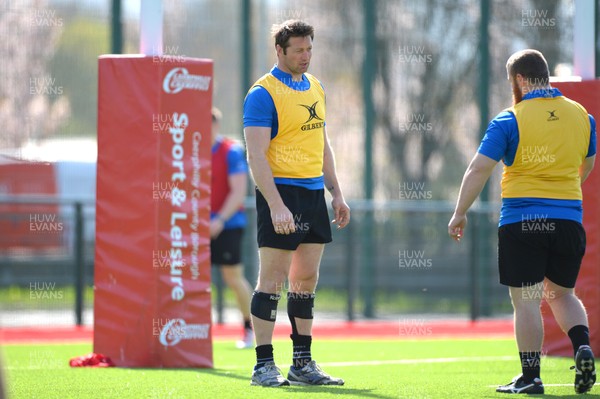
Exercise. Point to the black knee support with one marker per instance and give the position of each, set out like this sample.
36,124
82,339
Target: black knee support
300,305
264,306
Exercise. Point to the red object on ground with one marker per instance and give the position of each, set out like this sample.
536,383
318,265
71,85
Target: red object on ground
152,300
91,360
556,342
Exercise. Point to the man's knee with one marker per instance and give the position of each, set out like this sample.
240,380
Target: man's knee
525,298
554,292
271,279
270,285
552,296
229,276
304,282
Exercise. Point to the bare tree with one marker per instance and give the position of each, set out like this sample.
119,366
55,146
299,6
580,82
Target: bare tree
31,105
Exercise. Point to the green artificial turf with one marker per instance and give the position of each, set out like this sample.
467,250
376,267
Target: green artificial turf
372,369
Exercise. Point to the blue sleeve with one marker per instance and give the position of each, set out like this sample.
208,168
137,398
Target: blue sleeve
236,161
501,138
259,108
592,147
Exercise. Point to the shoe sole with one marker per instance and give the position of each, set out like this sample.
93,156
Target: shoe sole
301,383
539,390
256,384
520,391
586,380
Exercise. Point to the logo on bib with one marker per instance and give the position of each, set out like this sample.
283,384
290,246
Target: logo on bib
312,114
552,116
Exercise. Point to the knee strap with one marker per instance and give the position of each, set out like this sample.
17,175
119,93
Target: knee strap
264,306
300,304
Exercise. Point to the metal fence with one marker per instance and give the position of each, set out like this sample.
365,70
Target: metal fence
46,259
394,258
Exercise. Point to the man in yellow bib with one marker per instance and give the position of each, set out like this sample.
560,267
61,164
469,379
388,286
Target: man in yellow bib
291,162
547,143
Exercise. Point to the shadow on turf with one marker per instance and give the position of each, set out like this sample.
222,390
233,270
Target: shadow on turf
243,376
214,371
343,390
503,395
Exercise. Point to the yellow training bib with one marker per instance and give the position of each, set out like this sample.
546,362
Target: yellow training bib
554,136
297,149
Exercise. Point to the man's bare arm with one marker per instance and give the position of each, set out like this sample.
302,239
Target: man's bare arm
258,140
340,208
586,167
474,179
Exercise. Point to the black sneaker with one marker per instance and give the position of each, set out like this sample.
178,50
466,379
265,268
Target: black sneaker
585,371
518,385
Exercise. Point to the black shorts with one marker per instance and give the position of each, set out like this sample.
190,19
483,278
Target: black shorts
530,250
310,216
226,249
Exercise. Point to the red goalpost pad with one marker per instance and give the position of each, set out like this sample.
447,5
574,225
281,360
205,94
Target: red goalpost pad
152,304
556,342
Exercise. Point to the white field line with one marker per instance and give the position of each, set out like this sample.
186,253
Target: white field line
406,361
419,361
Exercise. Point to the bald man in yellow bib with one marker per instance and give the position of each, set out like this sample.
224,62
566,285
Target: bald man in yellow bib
547,143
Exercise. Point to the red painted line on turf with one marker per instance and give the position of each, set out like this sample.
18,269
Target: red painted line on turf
404,328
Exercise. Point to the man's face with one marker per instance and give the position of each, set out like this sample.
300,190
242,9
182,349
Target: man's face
297,55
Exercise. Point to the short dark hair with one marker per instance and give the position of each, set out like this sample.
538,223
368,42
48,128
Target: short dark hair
291,28
216,114
530,64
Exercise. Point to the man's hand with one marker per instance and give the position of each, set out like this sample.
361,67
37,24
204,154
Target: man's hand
341,212
282,219
216,227
456,226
